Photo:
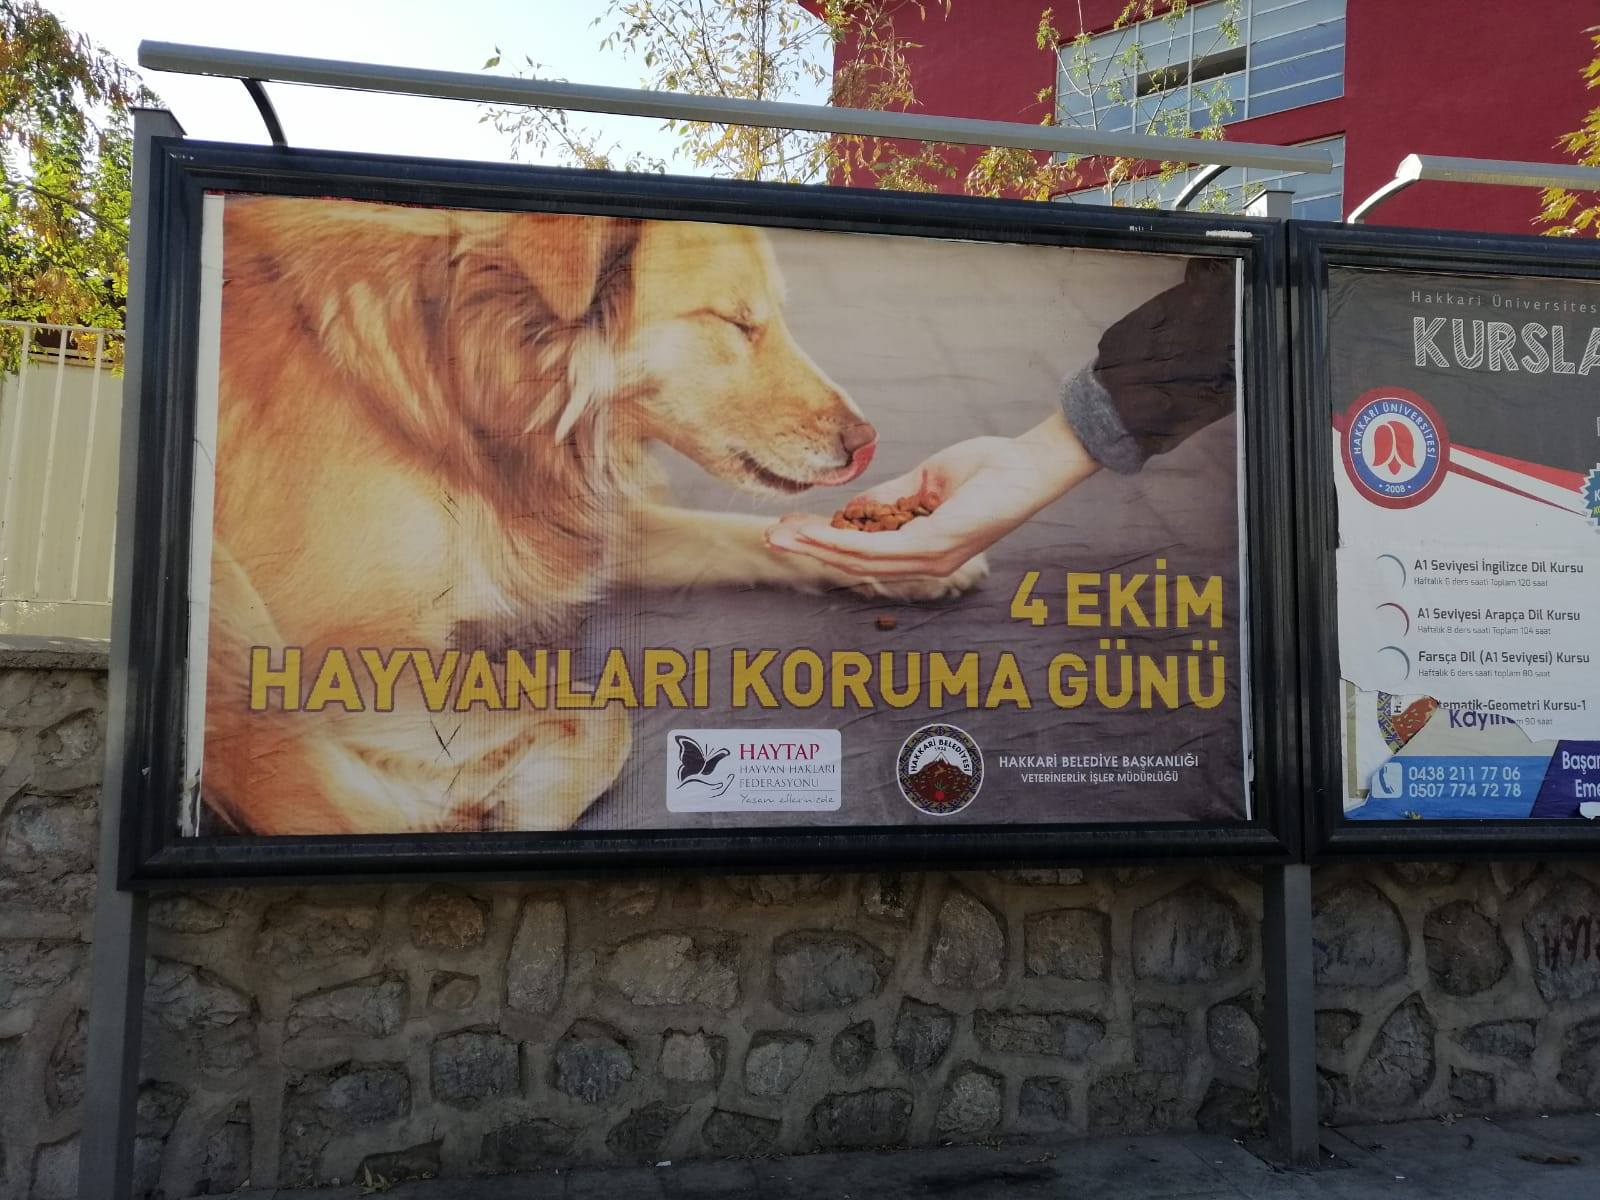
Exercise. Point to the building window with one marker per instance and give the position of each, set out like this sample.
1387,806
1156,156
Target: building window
1238,58
1316,197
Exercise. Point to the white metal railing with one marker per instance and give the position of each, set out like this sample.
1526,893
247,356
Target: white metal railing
60,415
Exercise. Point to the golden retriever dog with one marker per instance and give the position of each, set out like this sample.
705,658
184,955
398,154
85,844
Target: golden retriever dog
433,433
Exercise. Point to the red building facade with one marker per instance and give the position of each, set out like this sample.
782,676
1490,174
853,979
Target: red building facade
1373,80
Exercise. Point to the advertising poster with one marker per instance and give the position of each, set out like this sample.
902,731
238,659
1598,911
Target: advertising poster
1467,440
525,522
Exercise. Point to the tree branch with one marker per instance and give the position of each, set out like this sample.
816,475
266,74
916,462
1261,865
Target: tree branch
110,227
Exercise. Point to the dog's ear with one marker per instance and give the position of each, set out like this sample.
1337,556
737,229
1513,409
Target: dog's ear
560,256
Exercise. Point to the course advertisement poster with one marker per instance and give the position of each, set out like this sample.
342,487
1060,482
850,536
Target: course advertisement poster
1467,448
514,521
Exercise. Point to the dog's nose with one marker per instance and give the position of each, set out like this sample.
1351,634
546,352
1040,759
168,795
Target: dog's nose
857,437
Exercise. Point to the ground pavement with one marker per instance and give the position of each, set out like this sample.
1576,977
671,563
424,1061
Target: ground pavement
1521,1158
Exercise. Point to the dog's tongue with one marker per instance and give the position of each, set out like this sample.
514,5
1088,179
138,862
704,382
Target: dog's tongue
859,462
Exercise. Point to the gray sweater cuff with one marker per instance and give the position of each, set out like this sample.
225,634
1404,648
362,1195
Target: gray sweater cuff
1094,418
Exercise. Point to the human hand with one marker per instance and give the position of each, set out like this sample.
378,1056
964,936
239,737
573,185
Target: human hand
979,491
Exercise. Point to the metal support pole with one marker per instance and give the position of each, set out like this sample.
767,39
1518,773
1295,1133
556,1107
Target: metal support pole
1199,182
116,969
1291,1015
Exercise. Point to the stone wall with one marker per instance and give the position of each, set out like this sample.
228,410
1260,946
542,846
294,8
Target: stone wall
301,1035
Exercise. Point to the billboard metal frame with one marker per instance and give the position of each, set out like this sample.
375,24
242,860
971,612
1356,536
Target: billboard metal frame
1313,248
151,769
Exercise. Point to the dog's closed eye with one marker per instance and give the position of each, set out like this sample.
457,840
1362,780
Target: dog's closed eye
742,320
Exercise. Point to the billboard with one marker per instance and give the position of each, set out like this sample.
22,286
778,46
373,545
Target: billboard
1464,463
569,518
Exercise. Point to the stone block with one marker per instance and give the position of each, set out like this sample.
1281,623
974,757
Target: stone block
472,1066
1580,1061
1232,1111
853,1048
225,1156
922,1034
1425,874
643,1133
156,1112
447,918
854,1120
398,1166
592,1062
1193,935
319,1105
370,1007
64,1073
178,912
891,897
31,969
1068,1035
769,891
192,1011
972,1103
738,1135
1334,1027
1399,1066
1358,939
775,1062
47,852
692,1059
1563,931
69,754
526,1146
1160,1038
1067,943
1514,1040
450,992
301,935
1233,1036
627,897
1045,1102
968,947
1465,952
681,968
1474,1089
1041,876
1136,1102
55,1171
822,971
536,968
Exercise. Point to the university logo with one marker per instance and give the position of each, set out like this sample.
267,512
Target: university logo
1591,497
1396,450
940,770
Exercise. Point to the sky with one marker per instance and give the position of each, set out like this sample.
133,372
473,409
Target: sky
452,35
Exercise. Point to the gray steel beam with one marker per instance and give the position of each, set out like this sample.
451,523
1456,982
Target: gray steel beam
1442,168
1292,1118
116,968
721,110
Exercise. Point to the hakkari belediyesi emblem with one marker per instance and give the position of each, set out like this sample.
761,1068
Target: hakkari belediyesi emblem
939,769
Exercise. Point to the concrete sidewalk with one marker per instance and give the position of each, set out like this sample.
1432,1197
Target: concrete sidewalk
1528,1158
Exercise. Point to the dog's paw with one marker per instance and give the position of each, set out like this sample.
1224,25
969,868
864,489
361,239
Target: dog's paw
930,587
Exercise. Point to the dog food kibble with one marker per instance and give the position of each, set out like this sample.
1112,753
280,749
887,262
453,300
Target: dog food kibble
874,516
